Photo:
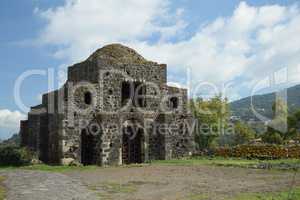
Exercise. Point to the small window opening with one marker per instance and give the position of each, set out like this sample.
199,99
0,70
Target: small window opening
88,98
174,102
125,92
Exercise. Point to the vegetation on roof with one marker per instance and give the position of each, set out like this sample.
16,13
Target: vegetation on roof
117,53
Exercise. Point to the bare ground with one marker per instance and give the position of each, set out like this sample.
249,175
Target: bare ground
37,185
149,182
157,182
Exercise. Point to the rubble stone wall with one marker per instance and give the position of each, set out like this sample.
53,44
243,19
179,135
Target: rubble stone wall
93,95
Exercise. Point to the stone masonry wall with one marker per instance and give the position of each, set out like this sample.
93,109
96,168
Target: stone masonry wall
93,95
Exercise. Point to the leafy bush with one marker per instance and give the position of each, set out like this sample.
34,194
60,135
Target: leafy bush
243,133
14,156
272,138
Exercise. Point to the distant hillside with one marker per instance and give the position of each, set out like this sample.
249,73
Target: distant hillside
263,104
14,141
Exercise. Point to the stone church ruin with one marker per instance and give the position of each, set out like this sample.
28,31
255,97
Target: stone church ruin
115,108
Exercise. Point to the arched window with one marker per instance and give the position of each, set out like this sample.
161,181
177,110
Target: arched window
125,92
88,98
174,102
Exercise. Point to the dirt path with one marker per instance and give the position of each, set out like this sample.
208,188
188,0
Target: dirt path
34,185
180,182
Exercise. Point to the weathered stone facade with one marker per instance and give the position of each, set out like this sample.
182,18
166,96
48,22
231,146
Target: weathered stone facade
115,108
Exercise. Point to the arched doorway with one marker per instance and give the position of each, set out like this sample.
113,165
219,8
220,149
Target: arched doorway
133,143
88,146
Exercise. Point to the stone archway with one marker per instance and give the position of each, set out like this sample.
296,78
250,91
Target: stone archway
88,148
132,144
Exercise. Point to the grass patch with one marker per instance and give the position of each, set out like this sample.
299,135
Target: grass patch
287,164
197,197
207,161
109,190
119,188
51,168
2,189
231,162
105,196
62,169
293,194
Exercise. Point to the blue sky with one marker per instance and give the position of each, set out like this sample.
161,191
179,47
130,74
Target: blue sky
232,43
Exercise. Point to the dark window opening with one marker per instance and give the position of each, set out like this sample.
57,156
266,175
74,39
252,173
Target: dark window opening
174,102
94,129
135,92
88,98
154,92
125,92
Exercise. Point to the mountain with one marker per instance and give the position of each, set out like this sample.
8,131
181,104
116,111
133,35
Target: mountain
263,104
13,141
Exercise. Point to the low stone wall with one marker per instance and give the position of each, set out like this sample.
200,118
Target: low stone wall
260,152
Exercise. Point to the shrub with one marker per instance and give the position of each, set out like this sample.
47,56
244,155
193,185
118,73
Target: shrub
272,138
243,133
14,156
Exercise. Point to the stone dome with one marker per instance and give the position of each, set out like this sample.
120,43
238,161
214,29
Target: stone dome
118,53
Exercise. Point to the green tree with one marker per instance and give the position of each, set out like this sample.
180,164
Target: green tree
278,127
272,138
213,118
293,127
243,133
280,115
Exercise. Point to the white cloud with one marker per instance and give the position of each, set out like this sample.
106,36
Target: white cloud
10,122
249,45
82,26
